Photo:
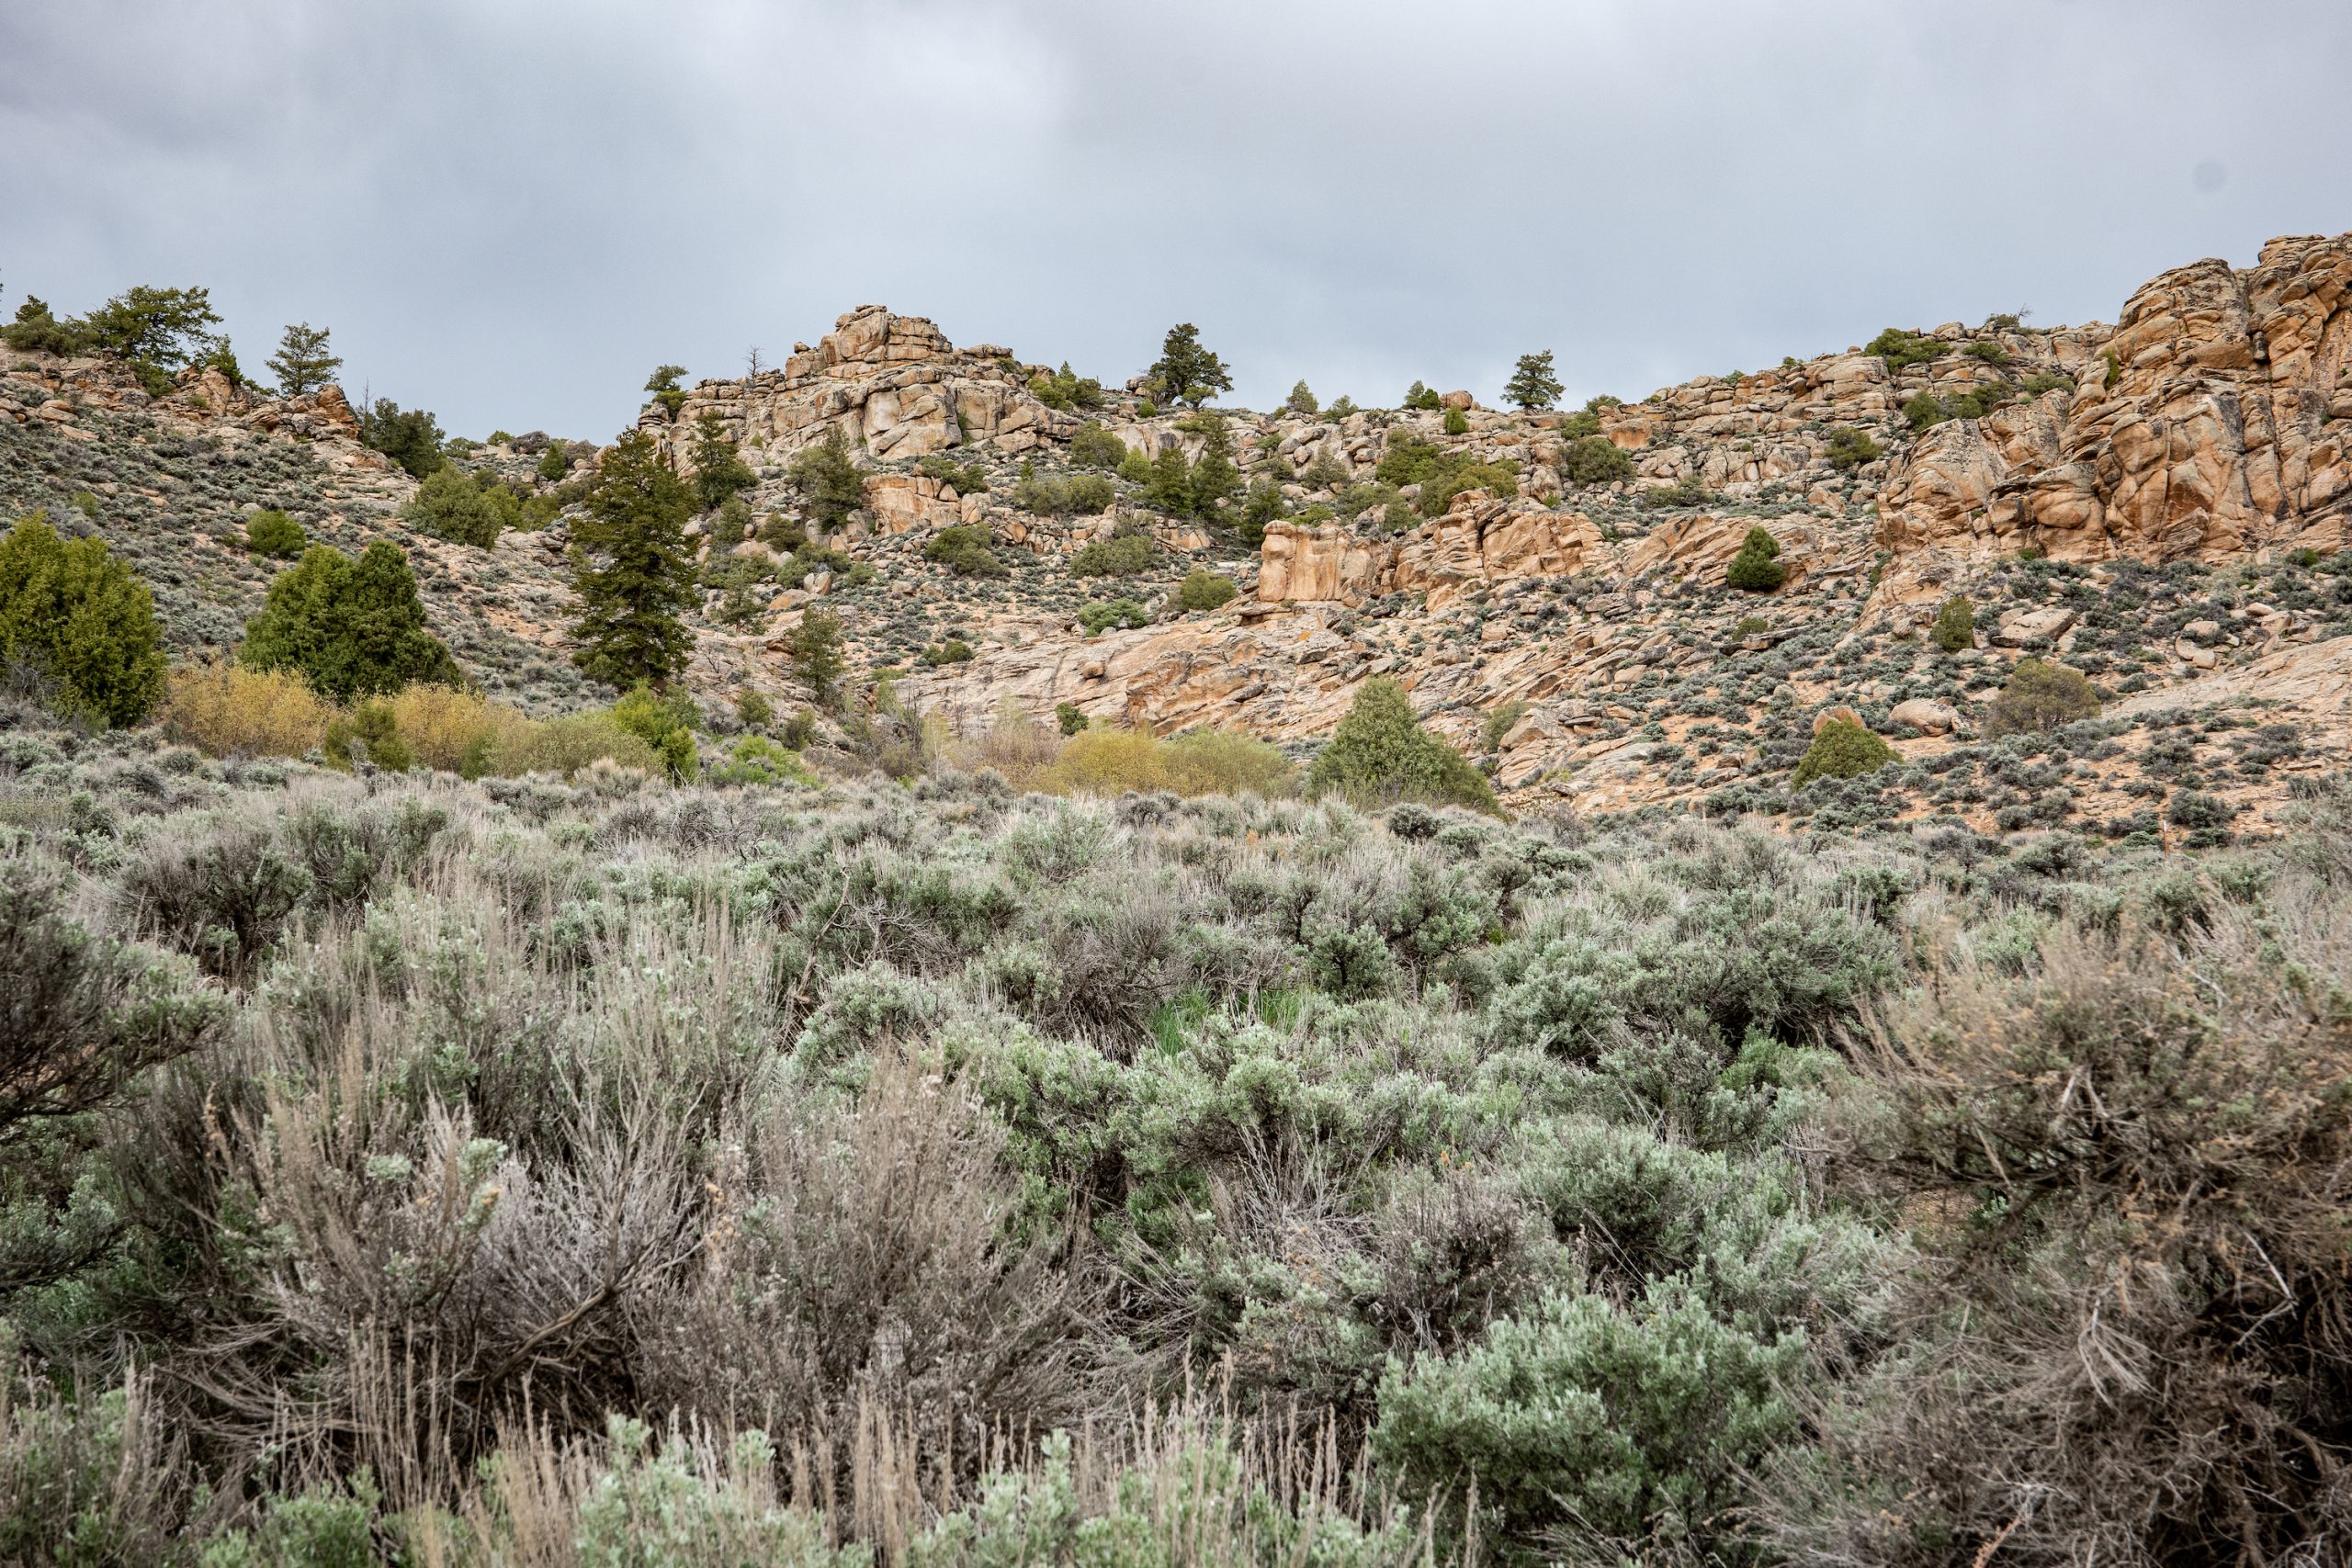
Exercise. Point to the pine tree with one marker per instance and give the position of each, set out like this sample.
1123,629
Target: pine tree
1215,478
1533,384
350,629
1186,372
81,619
157,330
302,364
720,469
814,651
632,567
832,483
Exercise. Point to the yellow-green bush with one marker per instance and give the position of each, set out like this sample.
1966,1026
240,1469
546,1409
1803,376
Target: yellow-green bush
225,710
1204,762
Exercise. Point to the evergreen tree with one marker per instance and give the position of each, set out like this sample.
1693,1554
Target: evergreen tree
632,567
1533,384
412,439
1381,755
1168,486
1186,372
83,620
350,629
36,329
303,363
1756,570
158,329
720,469
663,385
832,485
814,649
1302,402
1419,397
1215,478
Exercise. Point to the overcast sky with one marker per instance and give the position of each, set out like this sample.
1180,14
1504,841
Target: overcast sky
508,211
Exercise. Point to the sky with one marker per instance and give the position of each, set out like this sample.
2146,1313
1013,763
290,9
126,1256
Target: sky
509,212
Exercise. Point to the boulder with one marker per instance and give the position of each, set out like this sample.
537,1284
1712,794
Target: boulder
1926,716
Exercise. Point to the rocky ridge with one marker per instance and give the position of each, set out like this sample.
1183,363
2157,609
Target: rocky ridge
2145,501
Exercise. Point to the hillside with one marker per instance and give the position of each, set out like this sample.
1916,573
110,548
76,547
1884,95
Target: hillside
2161,504
562,1133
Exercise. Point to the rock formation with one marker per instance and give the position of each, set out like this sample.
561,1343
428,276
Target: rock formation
893,385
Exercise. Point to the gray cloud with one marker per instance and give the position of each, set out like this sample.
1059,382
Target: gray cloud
509,210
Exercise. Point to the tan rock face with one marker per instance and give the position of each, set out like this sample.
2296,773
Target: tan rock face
2206,425
1479,539
893,385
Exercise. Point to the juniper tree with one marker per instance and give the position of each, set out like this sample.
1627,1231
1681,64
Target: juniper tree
303,363
632,567
80,619
350,629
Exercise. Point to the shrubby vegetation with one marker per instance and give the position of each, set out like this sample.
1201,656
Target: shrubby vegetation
1755,569
350,629
1381,755
80,622
606,1170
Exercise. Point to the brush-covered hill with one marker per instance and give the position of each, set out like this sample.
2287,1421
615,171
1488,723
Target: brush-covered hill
2160,505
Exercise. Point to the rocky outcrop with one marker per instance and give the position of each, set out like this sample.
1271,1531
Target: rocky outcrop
2211,423
893,385
1479,540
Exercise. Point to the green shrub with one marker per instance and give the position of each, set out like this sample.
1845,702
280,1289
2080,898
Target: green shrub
1094,446
1589,1421
1097,616
36,330
1955,625
1123,555
271,533
1842,749
964,550
1499,480
1755,569
1595,459
1204,590
756,760
967,478
2040,695
955,651
1408,461
1924,409
1069,716
1688,491
1063,388
556,461
1851,448
82,620
1989,352
663,385
1381,755
454,505
1078,494
752,707
1418,398
368,732
350,629
1455,423
665,722
1301,401
1900,348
